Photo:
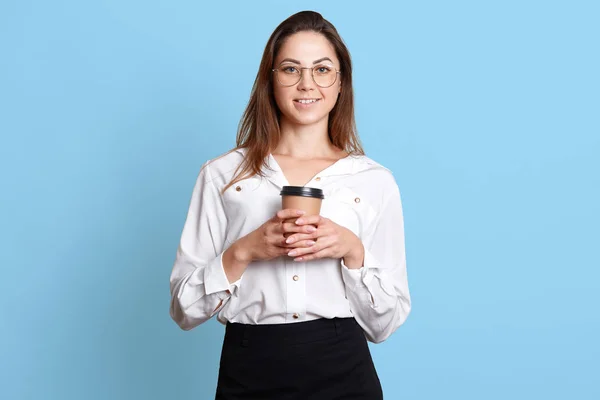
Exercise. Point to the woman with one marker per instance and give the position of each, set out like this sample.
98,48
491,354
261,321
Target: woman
300,294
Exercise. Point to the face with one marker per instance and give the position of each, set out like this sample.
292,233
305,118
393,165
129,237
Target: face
301,50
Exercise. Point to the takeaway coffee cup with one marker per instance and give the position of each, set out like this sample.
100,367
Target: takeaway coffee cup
302,198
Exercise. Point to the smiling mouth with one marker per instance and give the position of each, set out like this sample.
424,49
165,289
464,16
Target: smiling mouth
306,101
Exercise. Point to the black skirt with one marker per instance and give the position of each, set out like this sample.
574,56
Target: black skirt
324,359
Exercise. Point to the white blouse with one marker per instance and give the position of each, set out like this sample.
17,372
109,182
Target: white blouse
360,195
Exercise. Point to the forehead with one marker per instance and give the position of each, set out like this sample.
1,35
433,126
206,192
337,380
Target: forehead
306,47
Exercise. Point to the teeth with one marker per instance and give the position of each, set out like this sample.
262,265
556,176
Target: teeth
306,101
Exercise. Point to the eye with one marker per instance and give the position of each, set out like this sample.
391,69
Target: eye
289,70
323,69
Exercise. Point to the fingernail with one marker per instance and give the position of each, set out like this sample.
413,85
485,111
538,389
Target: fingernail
290,240
292,253
310,242
299,212
299,221
311,229
298,259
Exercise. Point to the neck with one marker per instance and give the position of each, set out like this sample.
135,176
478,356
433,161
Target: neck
305,141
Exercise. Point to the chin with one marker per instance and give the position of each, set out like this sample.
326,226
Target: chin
307,119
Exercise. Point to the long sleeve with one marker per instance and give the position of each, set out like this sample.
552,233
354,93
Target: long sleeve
198,283
378,292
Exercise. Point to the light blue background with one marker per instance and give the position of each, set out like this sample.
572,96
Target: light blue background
487,112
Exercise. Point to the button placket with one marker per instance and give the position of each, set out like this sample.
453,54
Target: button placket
296,289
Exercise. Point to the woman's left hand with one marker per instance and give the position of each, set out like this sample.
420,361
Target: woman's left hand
331,241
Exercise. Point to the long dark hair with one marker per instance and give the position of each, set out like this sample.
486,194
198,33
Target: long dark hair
259,131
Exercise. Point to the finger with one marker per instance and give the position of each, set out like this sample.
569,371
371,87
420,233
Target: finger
287,229
282,251
300,244
317,246
279,248
300,251
293,228
299,237
289,213
321,244
325,253
310,220
317,234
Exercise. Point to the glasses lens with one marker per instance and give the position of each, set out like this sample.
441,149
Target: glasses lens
288,75
324,75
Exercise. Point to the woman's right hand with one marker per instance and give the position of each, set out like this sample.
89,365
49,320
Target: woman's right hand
268,241
265,243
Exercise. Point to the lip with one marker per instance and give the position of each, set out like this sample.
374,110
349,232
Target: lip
301,106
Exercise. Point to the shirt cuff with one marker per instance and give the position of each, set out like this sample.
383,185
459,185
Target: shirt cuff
363,275
215,279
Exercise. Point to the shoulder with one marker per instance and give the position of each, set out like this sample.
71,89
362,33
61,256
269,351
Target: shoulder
369,169
375,180
222,168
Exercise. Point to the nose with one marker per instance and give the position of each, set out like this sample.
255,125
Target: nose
306,80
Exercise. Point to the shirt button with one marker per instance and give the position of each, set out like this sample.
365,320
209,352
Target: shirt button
357,200
238,188
318,178
296,277
296,316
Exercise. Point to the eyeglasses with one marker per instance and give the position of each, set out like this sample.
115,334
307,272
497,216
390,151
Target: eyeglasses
323,75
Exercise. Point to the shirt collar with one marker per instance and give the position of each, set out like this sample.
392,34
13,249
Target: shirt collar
346,166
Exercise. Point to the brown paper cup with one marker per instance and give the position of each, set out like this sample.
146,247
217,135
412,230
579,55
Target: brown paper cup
301,198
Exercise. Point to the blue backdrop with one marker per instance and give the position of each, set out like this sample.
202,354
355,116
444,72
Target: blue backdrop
487,112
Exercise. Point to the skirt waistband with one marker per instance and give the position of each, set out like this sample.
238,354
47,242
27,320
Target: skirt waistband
291,333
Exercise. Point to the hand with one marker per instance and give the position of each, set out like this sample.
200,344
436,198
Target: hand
268,241
265,243
332,241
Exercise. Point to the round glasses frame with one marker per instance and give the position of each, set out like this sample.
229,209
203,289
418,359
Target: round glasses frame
312,75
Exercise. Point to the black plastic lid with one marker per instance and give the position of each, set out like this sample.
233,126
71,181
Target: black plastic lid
302,191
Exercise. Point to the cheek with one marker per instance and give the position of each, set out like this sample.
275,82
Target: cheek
281,96
331,97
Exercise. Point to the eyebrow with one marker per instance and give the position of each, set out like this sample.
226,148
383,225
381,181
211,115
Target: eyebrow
299,63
